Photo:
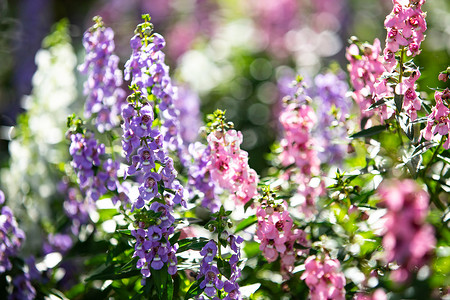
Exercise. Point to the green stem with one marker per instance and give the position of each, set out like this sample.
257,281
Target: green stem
399,132
433,157
401,65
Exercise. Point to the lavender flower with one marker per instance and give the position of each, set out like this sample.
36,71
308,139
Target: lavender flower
85,152
153,169
103,87
332,110
23,290
188,105
57,243
147,70
76,208
11,236
208,271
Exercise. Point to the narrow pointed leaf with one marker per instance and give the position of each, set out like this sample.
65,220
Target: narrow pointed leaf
369,131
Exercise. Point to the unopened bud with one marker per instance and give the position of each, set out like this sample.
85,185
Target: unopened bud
218,133
269,210
443,77
224,235
446,94
335,195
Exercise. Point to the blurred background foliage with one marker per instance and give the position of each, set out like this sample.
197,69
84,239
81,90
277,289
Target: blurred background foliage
231,52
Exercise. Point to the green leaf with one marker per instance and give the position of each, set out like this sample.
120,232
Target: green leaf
194,290
369,131
246,223
113,273
398,99
160,278
378,103
191,243
224,267
175,238
426,107
420,120
248,204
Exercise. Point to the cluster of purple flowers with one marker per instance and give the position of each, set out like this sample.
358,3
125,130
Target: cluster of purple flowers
210,276
152,242
332,110
103,87
147,70
188,105
86,158
11,236
76,207
145,144
22,288
94,176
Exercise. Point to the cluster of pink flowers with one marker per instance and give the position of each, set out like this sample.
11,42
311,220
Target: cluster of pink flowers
299,150
407,239
405,28
323,278
278,236
411,100
438,120
365,68
229,165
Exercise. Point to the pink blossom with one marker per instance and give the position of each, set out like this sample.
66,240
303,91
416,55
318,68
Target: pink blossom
299,151
407,239
405,25
438,120
229,167
277,235
365,68
323,278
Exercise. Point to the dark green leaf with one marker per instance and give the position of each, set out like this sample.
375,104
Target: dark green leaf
420,120
378,103
175,238
398,99
422,148
224,267
426,107
369,132
191,243
246,223
160,278
248,204
112,273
